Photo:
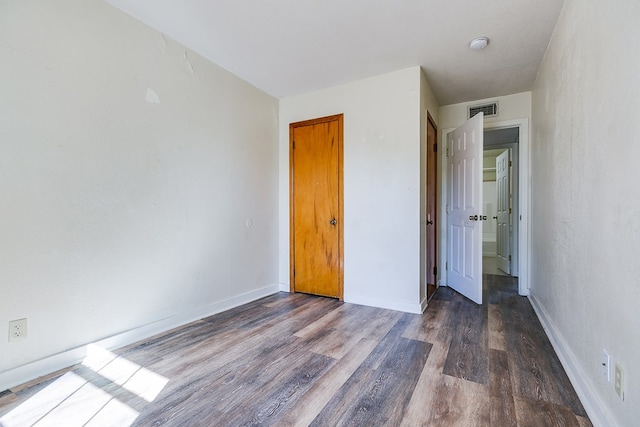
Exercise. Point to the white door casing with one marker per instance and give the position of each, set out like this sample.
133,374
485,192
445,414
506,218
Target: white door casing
464,213
503,186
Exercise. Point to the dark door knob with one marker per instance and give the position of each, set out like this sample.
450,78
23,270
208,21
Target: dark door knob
333,222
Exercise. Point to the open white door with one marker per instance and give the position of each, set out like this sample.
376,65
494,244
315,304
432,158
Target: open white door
464,213
503,185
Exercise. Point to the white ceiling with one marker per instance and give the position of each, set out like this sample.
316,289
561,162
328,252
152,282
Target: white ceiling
289,47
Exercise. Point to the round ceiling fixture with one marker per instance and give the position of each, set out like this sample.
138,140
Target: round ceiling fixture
478,43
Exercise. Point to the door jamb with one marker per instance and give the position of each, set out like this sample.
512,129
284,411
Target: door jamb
423,220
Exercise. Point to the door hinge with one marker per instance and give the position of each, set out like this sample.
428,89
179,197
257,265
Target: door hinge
509,210
293,145
447,153
509,258
509,163
294,272
435,148
435,271
446,265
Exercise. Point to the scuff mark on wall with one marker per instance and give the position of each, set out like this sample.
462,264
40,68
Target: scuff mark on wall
159,48
187,61
163,45
152,97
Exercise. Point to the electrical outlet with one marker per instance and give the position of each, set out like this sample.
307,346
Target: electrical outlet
619,382
17,330
606,363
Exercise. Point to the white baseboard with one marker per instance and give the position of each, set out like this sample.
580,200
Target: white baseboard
36,369
284,287
595,407
424,304
383,303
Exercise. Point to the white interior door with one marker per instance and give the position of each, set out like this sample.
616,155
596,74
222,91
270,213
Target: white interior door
503,187
464,213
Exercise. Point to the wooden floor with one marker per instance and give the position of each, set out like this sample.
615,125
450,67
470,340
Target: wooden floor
490,266
298,360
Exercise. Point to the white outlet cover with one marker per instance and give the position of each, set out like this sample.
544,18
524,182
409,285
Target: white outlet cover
17,330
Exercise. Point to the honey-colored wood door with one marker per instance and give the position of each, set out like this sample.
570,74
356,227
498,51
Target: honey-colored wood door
432,224
315,153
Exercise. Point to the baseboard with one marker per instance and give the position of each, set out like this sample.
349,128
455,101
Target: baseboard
284,287
424,304
36,369
595,407
383,303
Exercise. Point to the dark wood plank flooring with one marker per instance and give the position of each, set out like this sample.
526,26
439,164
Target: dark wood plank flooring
300,360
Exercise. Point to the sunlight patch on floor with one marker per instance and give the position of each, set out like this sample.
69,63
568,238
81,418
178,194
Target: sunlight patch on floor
128,375
72,400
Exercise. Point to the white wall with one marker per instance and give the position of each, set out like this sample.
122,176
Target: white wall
119,214
382,119
510,107
586,199
490,201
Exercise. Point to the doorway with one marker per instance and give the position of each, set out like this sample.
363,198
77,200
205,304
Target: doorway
316,206
501,202
521,249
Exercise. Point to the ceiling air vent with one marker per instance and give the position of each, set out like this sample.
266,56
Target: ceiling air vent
489,110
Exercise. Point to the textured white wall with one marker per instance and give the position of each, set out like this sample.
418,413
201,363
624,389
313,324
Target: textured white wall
586,197
122,206
381,184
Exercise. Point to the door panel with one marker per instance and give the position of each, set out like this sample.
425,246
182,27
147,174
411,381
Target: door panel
503,238
316,206
464,213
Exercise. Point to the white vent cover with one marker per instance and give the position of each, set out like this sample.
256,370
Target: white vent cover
489,110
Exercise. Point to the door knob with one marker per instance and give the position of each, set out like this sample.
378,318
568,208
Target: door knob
333,222
473,217
495,217
483,217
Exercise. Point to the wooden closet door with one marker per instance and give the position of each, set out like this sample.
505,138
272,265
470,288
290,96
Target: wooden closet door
316,206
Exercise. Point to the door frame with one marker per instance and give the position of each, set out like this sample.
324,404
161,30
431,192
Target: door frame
425,297
524,202
340,220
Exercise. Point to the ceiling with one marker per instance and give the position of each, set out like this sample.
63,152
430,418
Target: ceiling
289,47
501,136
